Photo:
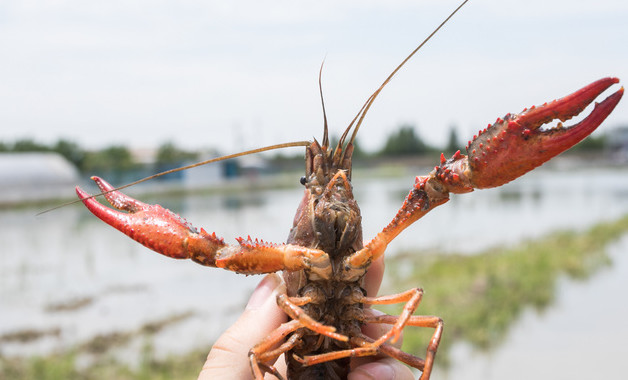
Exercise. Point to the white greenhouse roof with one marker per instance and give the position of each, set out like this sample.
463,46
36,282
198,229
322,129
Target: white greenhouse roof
35,176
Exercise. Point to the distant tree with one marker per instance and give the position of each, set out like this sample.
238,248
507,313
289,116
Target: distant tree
403,142
590,144
115,158
29,145
71,151
168,154
120,157
453,144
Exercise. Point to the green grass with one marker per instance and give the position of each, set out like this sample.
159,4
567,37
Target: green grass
98,352
64,366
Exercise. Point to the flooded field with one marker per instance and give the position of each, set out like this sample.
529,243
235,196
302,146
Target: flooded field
66,278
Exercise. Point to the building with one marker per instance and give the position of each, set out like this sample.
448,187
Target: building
38,176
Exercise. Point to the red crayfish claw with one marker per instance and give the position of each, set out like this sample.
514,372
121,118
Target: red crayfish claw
517,144
152,225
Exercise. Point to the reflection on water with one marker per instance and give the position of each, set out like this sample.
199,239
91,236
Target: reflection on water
66,272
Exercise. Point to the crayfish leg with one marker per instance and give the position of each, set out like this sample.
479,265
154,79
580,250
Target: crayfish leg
364,346
394,352
417,321
297,313
411,297
263,352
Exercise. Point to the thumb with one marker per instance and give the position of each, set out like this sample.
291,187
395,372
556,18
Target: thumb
228,358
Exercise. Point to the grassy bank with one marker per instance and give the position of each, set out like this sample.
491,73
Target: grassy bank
65,366
94,358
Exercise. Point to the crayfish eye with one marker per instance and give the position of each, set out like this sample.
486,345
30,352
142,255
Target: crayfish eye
303,180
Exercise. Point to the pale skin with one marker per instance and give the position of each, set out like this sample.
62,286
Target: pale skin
228,358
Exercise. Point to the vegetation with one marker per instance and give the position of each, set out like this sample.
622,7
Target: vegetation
169,154
591,144
453,142
405,142
113,158
71,151
63,366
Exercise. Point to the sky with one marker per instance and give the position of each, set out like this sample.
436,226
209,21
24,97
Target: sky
241,74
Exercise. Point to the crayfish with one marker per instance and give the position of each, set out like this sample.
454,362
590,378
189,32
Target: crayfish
324,259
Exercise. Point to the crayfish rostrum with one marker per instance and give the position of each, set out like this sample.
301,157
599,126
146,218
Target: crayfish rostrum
324,260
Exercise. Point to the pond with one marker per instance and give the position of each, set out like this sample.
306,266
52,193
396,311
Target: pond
66,277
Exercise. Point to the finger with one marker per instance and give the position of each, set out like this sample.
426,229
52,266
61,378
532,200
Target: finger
375,330
373,277
382,369
280,365
228,358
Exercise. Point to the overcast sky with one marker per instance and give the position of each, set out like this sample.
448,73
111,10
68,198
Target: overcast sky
240,74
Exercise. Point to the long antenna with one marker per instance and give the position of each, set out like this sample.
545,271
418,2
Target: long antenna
320,90
227,157
367,105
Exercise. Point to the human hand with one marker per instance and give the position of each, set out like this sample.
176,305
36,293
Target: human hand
228,358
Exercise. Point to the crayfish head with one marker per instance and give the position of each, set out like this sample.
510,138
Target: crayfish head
328,217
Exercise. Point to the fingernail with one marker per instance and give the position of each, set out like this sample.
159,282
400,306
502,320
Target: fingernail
263,291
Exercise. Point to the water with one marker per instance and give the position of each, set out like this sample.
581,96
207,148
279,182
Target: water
69,257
